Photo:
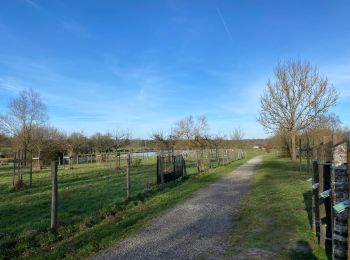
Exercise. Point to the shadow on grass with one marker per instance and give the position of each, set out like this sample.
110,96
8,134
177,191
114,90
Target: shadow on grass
308,205
302,250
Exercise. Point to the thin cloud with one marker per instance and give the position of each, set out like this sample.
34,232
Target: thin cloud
67,23
73,26
9,85
32,3
224,24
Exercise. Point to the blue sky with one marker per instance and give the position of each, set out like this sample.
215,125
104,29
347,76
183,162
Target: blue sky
143,65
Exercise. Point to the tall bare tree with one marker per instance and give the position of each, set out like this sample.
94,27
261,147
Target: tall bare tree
121,138
164,142
237,136
295,99
25,112
195,132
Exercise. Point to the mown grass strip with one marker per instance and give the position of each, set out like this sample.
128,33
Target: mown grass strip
275,217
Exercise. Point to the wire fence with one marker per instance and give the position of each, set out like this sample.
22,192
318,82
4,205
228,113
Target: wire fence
113,178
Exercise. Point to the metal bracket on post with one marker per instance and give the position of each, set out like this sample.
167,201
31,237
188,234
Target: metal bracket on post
325,194
340,207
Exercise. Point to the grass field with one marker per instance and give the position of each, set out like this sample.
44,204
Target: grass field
92,210
276,214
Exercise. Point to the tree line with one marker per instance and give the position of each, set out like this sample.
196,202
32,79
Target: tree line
25,127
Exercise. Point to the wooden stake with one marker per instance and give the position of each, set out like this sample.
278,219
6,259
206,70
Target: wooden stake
161,161
14,169
128,181
31,169
300,155
308,153
20,165
54,195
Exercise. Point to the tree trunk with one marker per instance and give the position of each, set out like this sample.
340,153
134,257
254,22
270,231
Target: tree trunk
294,150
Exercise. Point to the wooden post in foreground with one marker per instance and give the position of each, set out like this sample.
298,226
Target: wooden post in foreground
128,182
31,169
300,161
340,220
325,208
161,162
14,170
315,199
308,153
54,198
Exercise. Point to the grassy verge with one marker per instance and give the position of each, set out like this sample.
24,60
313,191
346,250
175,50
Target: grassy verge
275,218
92,212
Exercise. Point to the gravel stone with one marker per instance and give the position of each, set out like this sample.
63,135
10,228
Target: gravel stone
197,228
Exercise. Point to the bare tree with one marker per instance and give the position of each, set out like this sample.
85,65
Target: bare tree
184,129
295,99
102,142
237,134
121,139
164,142
329,121
25,112
195,132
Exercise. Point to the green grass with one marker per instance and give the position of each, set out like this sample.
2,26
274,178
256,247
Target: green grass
92,213
276,214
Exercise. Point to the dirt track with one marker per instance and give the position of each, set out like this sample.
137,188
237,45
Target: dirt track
196,228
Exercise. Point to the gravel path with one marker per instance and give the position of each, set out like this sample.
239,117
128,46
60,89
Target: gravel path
194,229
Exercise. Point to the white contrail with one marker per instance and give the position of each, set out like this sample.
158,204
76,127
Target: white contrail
224,24
32,3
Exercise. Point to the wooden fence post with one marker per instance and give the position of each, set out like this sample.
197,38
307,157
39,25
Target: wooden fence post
14,169
70,162
54,197
184,167
158,172
174,168
198,163
20,165
308,153
116,163
161,163
300,160
325,208
315,199
339,194
340,188
128,180
31,169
